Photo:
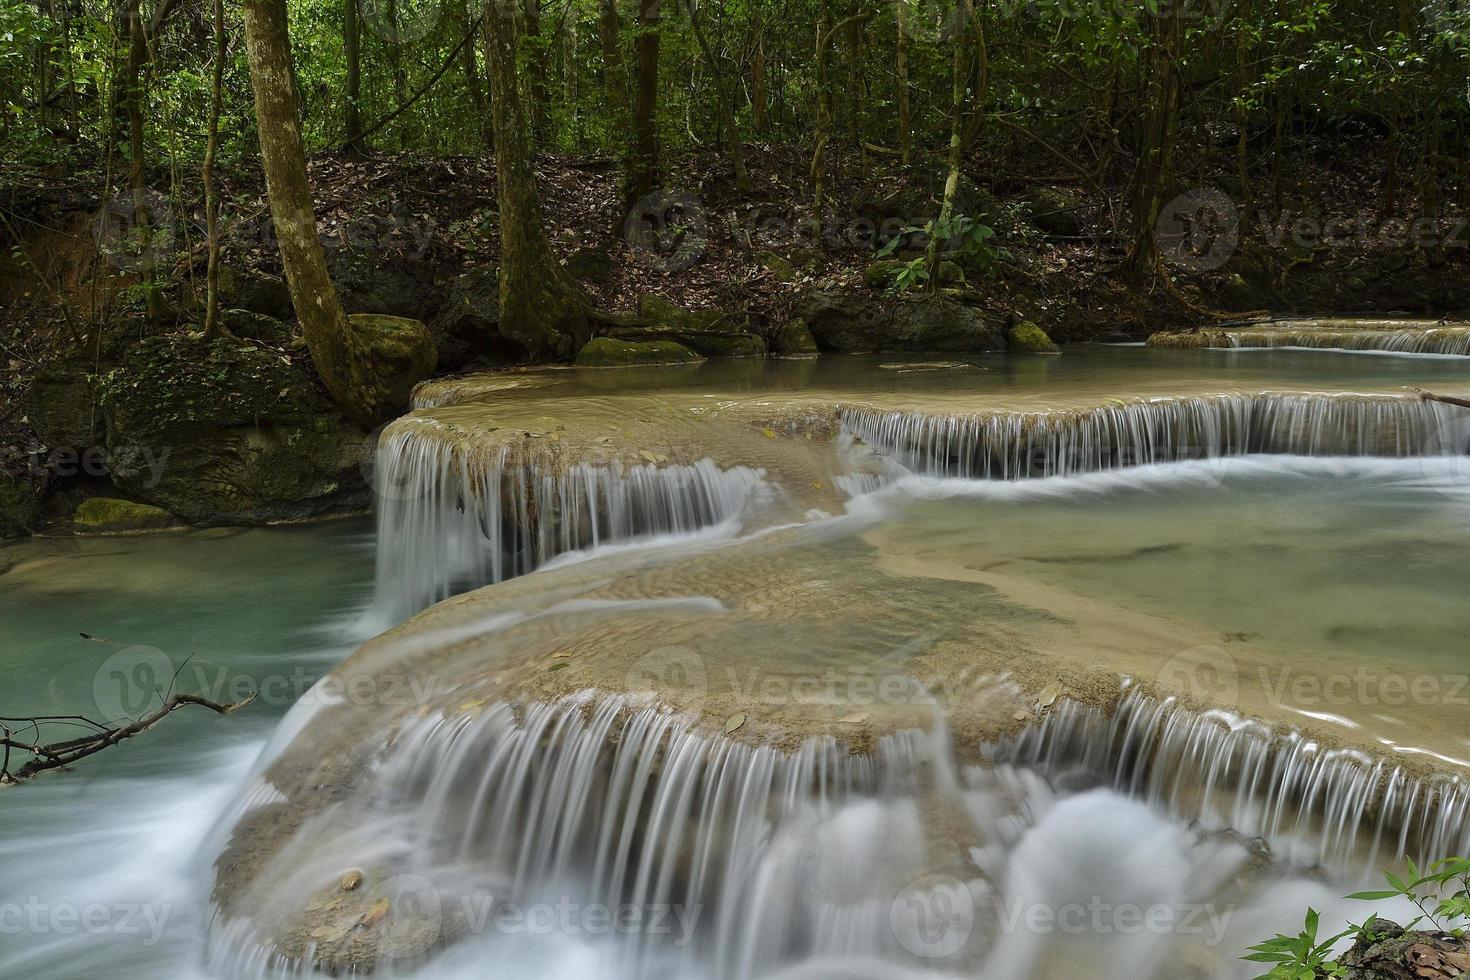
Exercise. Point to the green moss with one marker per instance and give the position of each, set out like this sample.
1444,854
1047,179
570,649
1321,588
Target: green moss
1028,337
610,352
110,514
794,338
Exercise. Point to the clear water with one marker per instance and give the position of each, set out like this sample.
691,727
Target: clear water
1310,558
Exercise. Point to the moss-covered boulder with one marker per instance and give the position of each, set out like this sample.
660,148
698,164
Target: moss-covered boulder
467,327
882,273
367,282
20,502
782,269
794,339
710,333
257,292
220,432
1058,211
111,514
1027,337
594,265
861,323
62,405
611,352
400,352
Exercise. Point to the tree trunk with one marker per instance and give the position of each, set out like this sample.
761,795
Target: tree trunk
758,121
822,128
212,325
328,336
617,92
959,85
643,176
726,101
541,308
138,180
352,53
1155,164
905,123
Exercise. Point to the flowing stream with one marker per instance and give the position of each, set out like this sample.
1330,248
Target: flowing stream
878,682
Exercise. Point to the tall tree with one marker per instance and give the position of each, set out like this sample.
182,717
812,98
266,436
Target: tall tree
643,176
367,391
724,101
352,54
541,306
212,325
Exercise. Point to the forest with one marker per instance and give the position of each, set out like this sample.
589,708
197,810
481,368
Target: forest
734,489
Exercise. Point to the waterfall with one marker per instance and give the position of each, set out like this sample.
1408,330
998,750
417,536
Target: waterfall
452,519
1018,445
1430,340
745,861
1314,805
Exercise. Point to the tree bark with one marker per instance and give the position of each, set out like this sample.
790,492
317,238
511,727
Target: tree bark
352,53
212,325
617,91
822,128
958,136
541,307
329,339
901,81
643,176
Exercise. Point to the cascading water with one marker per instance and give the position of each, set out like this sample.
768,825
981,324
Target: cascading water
1315,806
451,519
1021,445
1447,341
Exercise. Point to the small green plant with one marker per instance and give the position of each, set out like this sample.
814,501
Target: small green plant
1450,912
1300,957
964,238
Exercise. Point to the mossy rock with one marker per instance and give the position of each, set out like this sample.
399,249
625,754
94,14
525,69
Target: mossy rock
467,327
611,352
220,432
63,407
794,339
400,352
710,333
20,503
862,323
1057,211
781,268
1027,337
367,283
881,274
111,514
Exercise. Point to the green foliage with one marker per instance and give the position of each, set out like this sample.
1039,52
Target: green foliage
1442,897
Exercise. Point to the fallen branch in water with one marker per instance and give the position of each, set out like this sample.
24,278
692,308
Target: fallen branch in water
1430,396
45,757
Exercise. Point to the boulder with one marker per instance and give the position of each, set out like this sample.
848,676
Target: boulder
467,326
368,284
854,323
62,405
794,339
1028,337
880,274
111,514
782,269
400,352
20,502
1058,212
611,352
219,432
256,292
710,333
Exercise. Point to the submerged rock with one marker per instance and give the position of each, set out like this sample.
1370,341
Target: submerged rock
1027,336
852,323
611,352
110,514
219,432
